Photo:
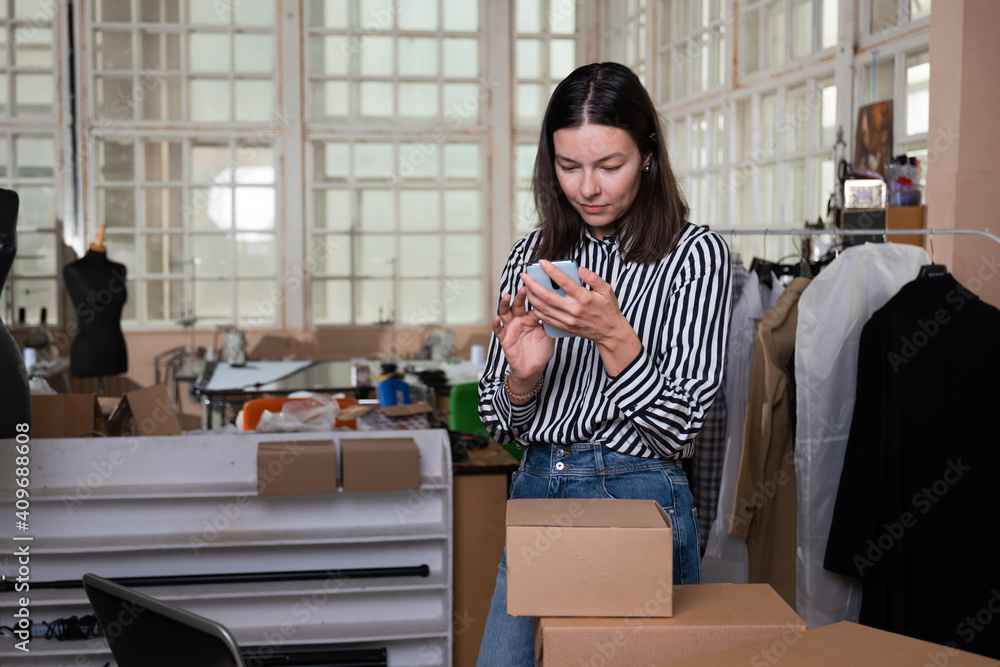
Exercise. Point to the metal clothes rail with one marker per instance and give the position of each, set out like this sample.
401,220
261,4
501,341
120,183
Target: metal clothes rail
734,231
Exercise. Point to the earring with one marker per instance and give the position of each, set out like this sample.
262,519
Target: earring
646,169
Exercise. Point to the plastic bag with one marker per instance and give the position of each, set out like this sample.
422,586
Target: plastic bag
313,413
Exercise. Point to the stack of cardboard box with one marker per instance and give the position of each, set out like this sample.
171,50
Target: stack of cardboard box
597,576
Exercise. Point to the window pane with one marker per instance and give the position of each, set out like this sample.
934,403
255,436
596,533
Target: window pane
768,185
802,27
255,254
562,60
212,255
775,33
377,211
328,54
680,155
828,113
254,12
419,210
529,15
461,15
529,58
418,56
209,160
208,52
562,17
418,101
160,50
214,299
461,57
375,101
254,164
375,56
529,104
159,11
121,248
199,11
422,256
461,162
826,187
463,253
744,130
258,302
211,209
34,95
331,161
417,15
164,254
254,53
885,14
751,42
829,30
255,101
164,301
373,160
464,299
919,9
768,124
461,103
255,209
682,63
332,254
332,210
331,302
116,207
795,193
461,209
37,208
421,302
35,294
162,208
112,11
796,119
376,255
329,101
112,49
884,81
162,160
161,98
418,162
328,13
918,75
209,99
36,254
33,47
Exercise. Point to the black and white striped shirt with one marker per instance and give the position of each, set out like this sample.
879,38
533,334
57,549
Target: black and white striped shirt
679,307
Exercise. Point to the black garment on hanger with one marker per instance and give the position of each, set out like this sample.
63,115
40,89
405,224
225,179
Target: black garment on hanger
15,397
916,512
96,286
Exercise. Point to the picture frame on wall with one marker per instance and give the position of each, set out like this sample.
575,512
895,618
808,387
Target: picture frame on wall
873,137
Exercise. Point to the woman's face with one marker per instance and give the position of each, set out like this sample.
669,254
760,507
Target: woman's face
599,170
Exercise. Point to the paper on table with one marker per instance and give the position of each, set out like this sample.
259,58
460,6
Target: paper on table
254,373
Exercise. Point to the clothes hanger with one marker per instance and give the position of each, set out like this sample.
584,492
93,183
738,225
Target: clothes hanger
932,270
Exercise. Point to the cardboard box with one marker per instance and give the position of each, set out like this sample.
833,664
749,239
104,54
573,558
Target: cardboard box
66,416
379,464
838,645
296,467
145,412
413,416
707,618
905,217
589,557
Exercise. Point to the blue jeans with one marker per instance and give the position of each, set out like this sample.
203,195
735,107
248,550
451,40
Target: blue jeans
589,471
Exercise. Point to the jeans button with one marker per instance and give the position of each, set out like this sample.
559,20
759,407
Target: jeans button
560,452
560,465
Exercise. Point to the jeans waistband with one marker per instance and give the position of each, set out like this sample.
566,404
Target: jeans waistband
586,459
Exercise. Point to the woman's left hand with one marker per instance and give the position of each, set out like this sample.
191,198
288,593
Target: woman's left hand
592,314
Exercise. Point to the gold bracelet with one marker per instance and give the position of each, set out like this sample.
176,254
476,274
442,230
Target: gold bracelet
525,397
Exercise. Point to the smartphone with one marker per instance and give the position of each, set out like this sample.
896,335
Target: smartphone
568,267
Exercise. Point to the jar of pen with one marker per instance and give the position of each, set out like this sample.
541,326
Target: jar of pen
903,179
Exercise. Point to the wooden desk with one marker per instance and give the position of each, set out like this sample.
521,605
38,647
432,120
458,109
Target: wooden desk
480,511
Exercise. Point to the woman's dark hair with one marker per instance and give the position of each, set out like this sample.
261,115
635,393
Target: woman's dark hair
608,94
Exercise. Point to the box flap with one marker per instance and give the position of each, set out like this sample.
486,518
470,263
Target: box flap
355,411
145,411
585,512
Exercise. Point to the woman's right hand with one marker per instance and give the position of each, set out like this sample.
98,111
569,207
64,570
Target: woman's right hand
525,344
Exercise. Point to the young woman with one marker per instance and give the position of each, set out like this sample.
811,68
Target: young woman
611,410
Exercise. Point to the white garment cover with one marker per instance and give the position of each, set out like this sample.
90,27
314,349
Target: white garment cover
832,311
725,560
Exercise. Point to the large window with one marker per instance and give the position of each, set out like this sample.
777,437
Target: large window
35,159
181,153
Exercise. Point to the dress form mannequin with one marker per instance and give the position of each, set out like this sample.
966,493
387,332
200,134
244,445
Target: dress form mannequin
96,285
14,394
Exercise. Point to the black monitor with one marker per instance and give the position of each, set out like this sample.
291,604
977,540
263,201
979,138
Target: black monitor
145,632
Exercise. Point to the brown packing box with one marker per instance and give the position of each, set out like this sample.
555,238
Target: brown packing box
379,464
589,557
707,618
296,467
145,411
838,645
905,217
66,416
